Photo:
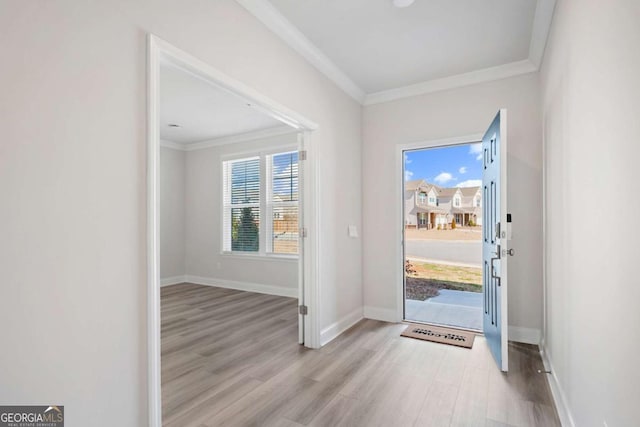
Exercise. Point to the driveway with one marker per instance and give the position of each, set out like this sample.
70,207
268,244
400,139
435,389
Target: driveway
467,252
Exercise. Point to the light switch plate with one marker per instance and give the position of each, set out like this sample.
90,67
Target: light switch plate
353,231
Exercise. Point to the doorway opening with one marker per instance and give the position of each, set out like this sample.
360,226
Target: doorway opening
443,217
256,190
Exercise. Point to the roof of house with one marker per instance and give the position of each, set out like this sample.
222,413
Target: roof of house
420,184
448,192
469,191
413,185
428,187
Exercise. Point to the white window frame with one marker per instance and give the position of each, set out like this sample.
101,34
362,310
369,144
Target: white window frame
265,206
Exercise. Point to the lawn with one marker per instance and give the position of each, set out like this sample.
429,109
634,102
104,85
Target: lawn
425,280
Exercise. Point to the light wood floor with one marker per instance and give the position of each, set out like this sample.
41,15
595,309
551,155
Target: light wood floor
231,358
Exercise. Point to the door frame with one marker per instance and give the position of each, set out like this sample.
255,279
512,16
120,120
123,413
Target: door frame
161,52
400,205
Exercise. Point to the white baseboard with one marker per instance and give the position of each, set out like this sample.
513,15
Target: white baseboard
557,393
383,314
172,280
524,335
336,328
244,286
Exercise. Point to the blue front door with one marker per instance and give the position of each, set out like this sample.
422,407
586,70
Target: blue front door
494,241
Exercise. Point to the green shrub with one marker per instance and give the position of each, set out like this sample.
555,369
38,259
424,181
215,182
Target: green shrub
245,232
453,224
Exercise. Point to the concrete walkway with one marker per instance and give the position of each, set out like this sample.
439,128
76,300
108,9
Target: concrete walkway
450,308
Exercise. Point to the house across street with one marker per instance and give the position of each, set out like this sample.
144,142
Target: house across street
432,207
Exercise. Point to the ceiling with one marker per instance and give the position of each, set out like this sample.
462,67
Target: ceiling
370,47
203,111
382,47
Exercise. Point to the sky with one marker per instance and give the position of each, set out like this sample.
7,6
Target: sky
455,166
285,176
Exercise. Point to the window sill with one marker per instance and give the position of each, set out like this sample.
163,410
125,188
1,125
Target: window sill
263,257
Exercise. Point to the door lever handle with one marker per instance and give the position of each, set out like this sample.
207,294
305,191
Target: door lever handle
493,275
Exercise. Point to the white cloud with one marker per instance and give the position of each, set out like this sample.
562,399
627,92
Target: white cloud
443,178
407,175
470,183
407,160
475,148
462,170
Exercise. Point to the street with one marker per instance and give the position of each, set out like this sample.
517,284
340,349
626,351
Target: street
469,252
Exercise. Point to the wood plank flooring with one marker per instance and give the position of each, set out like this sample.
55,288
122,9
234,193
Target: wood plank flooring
231,358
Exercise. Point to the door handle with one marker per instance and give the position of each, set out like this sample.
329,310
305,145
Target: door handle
493,276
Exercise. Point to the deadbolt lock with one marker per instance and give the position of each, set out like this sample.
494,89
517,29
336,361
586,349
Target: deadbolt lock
509,252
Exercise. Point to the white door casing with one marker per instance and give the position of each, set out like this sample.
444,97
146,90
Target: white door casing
161,52
397,315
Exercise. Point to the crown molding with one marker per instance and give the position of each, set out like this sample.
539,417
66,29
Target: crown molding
232,139
452,82
539,34
540,30
265,12
172,145
243,137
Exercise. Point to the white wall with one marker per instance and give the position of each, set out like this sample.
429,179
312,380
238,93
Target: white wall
172,215
205,263
73,185
591,104
455,113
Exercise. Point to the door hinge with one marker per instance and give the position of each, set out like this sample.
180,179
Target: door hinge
303,310
302,155
303,232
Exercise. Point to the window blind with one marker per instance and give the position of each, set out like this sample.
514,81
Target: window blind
283,203
241,199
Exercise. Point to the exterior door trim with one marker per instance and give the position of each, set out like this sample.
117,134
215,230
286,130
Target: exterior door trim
399,210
